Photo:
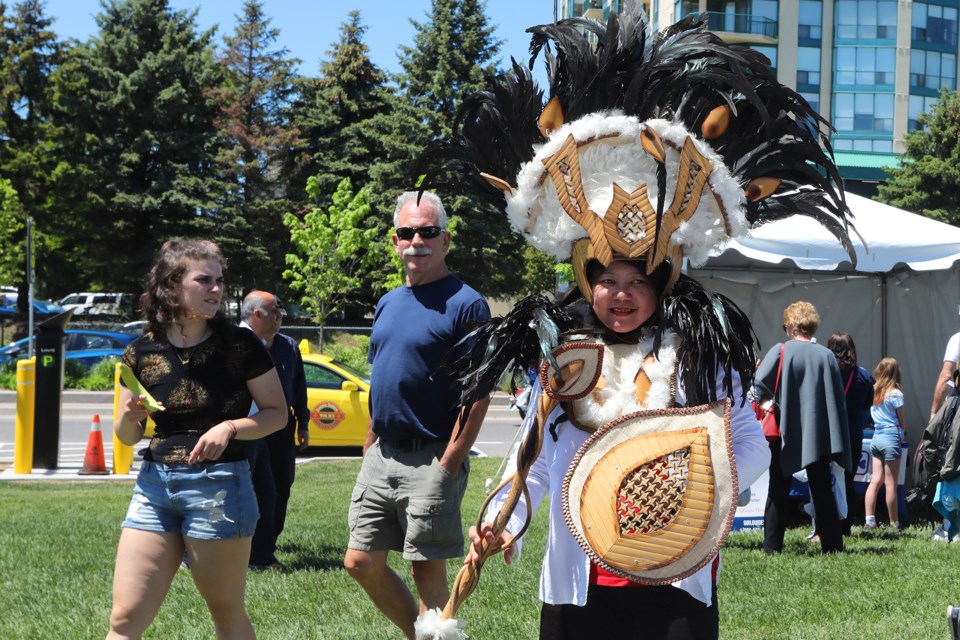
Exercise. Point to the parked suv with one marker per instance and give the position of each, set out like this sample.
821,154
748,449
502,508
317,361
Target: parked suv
98,304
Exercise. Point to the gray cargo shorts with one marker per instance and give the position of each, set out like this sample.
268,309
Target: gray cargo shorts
405,501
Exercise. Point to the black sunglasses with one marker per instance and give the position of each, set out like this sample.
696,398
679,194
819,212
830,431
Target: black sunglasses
407,233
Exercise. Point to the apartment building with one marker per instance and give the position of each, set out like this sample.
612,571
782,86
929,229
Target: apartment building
869,66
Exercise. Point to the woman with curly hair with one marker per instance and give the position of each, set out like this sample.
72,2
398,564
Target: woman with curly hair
193,494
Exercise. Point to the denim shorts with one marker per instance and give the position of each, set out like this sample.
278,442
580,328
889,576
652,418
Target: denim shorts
405,501
885,445
209,500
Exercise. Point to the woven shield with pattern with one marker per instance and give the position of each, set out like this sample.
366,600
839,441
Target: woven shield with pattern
651,495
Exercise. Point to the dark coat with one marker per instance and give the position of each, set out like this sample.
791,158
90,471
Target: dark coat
813,414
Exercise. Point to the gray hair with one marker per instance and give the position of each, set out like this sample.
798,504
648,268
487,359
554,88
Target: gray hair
252,302
429,197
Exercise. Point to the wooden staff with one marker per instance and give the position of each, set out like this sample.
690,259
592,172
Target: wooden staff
469,575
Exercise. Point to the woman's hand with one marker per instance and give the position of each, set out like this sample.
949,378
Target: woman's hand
212,444
486,530
129,426
133,409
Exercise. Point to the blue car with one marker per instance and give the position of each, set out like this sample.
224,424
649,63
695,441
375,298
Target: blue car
40,307
82,345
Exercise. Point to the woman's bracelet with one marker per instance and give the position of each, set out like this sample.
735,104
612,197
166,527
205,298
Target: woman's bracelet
232,425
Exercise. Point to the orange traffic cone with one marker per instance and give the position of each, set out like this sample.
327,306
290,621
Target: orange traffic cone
93,462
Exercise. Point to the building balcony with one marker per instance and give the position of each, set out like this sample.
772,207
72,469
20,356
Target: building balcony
743,28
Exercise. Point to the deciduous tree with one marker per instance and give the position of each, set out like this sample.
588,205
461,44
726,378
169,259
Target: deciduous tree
336,257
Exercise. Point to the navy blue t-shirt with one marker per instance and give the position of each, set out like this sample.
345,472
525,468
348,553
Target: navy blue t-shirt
413,329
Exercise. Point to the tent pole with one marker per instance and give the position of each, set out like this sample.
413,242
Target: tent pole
883,315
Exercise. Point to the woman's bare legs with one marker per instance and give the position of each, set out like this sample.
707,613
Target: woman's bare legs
219,569
146,564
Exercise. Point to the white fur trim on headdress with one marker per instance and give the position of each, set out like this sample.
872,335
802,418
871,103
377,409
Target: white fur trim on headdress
610,153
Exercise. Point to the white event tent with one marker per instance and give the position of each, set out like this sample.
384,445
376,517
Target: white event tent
900,300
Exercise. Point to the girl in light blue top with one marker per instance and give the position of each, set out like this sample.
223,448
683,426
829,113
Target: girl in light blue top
887,414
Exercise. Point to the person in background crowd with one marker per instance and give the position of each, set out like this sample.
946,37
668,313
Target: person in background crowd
858,394
415,463
273,459
193,491
946,498
944,385
813,424
887,443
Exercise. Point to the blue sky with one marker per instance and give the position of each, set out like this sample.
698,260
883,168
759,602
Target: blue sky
309,29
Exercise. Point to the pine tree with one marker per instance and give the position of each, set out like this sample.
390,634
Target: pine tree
337,111
255,99
150,123
30,168
453,54
356,129
927,180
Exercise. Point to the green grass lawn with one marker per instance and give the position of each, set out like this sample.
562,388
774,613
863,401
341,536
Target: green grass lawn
57,545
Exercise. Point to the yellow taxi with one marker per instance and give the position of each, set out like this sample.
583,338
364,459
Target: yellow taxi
338,396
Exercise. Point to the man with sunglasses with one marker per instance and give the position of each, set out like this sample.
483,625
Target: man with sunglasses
273,458
415,466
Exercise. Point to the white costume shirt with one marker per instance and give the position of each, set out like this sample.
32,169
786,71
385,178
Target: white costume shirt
565,576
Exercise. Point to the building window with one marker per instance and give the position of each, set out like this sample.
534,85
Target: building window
865,66
933,70
808,65
813,99
934,24
683,8
918,105
871,146
867,19
863,112
811,19
770,52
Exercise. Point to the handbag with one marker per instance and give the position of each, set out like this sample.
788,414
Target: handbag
768,413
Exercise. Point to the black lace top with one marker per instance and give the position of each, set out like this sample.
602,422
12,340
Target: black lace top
200,386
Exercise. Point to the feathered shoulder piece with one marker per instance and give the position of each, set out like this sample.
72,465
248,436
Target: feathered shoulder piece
715,335
656,146
510,345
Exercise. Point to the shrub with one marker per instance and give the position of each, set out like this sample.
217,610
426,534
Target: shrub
350,350
100,377
8,375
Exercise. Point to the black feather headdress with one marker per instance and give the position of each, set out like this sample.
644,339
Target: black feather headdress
647,146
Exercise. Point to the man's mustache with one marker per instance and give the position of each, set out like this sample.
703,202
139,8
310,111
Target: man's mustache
417,251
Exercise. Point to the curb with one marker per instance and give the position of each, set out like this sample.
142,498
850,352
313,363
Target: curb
69,395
